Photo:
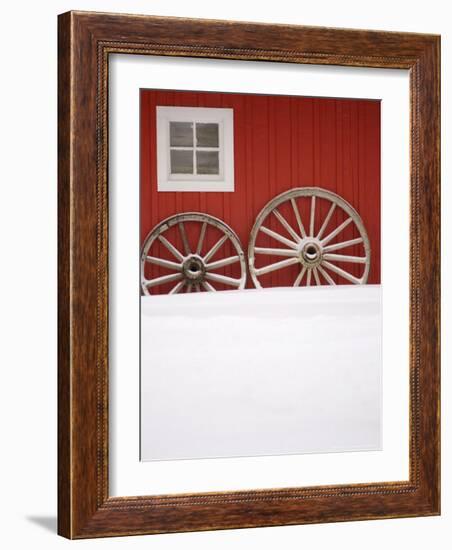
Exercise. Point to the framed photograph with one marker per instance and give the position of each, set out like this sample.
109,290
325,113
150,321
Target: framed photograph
248,275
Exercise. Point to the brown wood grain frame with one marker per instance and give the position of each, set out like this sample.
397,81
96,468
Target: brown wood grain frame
86,40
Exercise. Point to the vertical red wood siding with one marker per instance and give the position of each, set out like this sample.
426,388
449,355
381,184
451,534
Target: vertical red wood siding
280,142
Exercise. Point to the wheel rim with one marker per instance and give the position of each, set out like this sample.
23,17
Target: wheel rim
194,266
316,246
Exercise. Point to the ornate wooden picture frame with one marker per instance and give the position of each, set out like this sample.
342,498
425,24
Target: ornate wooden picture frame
86,40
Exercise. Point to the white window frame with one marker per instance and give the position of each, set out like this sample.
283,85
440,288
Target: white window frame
224,181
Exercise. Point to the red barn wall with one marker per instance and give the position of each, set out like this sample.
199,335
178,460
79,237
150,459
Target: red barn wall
280,142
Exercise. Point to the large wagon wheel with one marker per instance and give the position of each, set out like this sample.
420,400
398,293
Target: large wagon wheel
315,251
193,268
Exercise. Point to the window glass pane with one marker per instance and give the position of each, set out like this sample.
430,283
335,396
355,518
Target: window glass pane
207,134
181,161
181,134
207,162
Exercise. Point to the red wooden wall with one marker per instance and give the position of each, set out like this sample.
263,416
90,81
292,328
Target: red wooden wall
280,142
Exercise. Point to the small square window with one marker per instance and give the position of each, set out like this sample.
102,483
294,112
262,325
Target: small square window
195,149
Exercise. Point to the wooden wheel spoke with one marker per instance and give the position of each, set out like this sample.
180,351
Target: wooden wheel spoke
174,251
338,229
184,238
278,265
300,277
215,248
282,220
164,263
326,275
278,237
222,263
308,277
201,238
348,276
343,258
326,221
276,251
298,218
343,244
316,277
312,218
177,288
162,280
216,277
208,286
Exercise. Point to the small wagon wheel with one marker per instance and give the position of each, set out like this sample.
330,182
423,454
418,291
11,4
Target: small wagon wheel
315,251
193,268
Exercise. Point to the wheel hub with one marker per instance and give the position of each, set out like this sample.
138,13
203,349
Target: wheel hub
194,269
310,252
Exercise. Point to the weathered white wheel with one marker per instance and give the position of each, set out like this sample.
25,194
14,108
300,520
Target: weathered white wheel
317,247
193,267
